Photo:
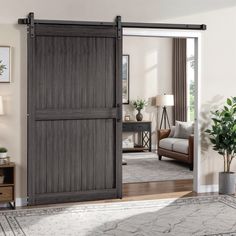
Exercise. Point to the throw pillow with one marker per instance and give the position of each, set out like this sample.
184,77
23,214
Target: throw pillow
172,131
183,129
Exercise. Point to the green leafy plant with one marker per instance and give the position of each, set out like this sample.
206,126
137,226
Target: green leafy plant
139,104
2,150
223,132
2,67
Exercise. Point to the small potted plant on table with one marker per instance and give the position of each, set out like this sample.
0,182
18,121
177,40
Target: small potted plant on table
3,152
223,137
139,104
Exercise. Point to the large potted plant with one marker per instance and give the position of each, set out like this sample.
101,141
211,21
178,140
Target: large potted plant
223,137
139,104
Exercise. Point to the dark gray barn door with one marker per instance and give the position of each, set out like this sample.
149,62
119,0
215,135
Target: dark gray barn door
74,111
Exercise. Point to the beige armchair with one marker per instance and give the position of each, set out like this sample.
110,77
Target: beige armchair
176,148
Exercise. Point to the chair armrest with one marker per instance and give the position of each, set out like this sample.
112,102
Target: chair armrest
191,147
162,133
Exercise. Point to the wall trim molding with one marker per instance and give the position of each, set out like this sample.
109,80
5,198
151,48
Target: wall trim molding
202,189
21,202
208,188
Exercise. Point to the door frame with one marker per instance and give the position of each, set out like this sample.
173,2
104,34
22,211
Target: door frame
171,33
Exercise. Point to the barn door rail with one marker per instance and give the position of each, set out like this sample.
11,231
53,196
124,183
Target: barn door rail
30,20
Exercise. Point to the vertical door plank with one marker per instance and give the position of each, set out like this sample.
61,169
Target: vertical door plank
49,156
61,157
110,159
55,151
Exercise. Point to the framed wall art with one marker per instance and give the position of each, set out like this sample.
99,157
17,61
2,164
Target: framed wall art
125,79
5,52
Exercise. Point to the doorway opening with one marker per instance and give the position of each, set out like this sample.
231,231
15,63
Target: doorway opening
152,60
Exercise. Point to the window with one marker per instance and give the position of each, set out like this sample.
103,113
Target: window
190,79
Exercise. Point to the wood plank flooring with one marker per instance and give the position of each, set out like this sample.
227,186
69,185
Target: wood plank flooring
158,189
144,191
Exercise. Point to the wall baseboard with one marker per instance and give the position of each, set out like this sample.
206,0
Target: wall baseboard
208,188
202,189
21,202
154,147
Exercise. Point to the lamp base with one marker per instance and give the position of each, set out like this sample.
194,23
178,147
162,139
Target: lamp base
164,118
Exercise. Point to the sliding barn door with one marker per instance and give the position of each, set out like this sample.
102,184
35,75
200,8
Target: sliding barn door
74,113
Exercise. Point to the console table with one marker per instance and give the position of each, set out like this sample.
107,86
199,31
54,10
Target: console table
7,188
145,128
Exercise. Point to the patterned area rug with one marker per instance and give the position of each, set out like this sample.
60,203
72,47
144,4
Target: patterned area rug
145,167
212,215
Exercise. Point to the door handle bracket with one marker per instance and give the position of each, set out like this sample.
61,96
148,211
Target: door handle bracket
119,112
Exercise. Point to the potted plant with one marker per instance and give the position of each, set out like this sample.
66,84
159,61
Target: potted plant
139,104
3,152
223,137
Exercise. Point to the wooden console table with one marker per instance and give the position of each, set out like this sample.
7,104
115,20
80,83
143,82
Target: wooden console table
7,188
145,128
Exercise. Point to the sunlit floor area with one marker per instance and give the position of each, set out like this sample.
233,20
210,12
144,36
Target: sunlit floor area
175,216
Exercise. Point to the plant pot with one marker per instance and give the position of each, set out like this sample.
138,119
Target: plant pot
3,154
1,179
139,116
227,183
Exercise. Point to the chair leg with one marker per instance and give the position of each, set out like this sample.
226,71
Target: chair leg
159,157
191,167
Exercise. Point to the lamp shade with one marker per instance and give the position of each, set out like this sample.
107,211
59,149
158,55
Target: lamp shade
1,106
165,100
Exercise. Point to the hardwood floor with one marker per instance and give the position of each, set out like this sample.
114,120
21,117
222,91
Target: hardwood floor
144,191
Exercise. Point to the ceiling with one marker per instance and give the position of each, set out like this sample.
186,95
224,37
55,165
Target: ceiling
106,10
178,8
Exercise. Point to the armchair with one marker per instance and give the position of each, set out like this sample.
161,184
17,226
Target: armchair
176,148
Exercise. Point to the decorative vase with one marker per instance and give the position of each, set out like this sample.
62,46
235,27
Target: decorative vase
139,116
227,183
3,154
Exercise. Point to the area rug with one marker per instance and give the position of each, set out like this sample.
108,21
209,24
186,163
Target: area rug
212,215
146,167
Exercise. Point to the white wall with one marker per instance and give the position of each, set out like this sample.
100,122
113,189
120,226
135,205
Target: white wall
218,78
13,125
218,56
150,74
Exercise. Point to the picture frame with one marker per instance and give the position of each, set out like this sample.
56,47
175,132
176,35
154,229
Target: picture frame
127,118
125,78
5,64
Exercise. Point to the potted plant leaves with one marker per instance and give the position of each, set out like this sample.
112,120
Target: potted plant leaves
139,104
3,152
223,137
2,67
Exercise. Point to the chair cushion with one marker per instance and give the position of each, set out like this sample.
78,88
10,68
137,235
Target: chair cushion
167,143
183,129
181,146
